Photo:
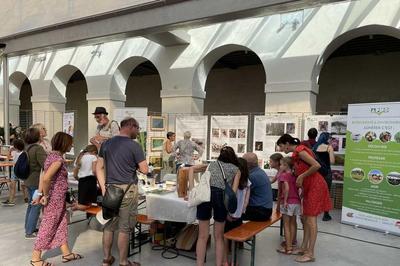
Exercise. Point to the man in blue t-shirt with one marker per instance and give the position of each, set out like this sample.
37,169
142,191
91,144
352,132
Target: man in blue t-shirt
260,202
119,158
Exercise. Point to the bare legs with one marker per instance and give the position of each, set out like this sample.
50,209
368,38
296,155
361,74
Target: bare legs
37,254
12,186
201,246
219,242
309,239
107,243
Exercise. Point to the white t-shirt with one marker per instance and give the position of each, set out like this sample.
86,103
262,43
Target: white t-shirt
241,196
15,154
86,165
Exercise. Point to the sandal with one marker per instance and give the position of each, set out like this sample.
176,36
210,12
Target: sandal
75,256
109,261
298,251
305,258
130,263
44,263
284,251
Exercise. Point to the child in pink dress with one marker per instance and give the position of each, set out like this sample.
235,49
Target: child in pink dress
288,202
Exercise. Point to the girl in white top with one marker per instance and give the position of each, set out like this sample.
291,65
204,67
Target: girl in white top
85,173
234,220
15,152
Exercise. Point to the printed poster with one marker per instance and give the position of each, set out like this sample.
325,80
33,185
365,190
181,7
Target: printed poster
372,167
197,125
228,131
68,127
336,125
268,129
140,114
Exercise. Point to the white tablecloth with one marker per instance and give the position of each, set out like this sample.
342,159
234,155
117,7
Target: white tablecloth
168,207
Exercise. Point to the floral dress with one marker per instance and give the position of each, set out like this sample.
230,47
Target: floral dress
53,228
315,190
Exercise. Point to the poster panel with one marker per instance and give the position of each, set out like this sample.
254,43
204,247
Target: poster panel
68,127
372,167
197,125
336,125
228,131
140,114
268,129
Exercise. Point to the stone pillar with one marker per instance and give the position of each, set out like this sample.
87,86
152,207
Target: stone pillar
14,112
290,97
182,101
48,112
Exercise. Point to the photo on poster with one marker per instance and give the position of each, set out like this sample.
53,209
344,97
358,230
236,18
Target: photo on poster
375,176
337,175
339,159
232,133
156,143
323,126
156,161
335,143
157,123
215,132
343,143
338,127
290,128
241,148
258,146
370,136
242,133
216,147
397,137
274,129
385,136
224,133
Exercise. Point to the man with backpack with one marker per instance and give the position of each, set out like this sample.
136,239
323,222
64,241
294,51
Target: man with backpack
106,128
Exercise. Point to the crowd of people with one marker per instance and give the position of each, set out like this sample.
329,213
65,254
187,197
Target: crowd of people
111,161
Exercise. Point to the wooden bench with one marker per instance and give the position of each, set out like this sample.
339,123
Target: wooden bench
248,231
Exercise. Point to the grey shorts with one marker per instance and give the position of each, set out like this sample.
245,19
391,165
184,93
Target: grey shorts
292,209
126,219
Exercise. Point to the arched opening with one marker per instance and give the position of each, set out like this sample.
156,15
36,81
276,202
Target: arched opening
362,69
143,87
75,95
25,107
236,84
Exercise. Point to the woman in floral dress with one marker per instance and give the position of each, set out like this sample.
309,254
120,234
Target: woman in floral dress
53,230
315,192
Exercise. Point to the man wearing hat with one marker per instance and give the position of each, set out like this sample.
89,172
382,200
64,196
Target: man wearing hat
106,128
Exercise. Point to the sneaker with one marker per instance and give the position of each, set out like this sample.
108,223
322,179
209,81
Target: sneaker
326,217
31,236
8,203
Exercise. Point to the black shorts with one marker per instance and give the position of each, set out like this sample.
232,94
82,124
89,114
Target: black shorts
216,205
87,190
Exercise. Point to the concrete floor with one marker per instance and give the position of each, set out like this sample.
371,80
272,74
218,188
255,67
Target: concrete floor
331,249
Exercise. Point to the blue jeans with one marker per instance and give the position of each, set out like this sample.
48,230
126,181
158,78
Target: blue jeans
32,213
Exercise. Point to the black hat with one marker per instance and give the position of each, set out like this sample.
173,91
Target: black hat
100,110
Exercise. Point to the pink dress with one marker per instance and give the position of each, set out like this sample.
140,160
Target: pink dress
53,228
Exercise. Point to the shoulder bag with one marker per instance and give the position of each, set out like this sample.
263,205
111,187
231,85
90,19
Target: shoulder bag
230,200
202,191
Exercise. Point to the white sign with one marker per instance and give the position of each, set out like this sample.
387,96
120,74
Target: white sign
197,125
228,131
268,129
68,123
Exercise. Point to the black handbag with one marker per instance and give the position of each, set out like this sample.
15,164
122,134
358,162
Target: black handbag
112,200
230,200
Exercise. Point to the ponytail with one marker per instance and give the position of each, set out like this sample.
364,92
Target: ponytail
288,139
89,148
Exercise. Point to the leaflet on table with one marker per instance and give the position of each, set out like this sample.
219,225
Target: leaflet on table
268,129
372,167
140,114
197,125
228,131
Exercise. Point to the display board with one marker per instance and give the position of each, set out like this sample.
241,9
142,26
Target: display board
268,129
68,127
140,114
228,131
336,125
197,125
372,167
156,136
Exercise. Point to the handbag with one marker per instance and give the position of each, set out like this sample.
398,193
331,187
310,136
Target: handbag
202,191
187,237
230,200
112,200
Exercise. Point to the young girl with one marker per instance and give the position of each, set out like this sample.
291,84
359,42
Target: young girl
288,202
15,152
85,173
275,163
243,195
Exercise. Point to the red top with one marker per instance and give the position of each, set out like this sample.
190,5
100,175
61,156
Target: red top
315,190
